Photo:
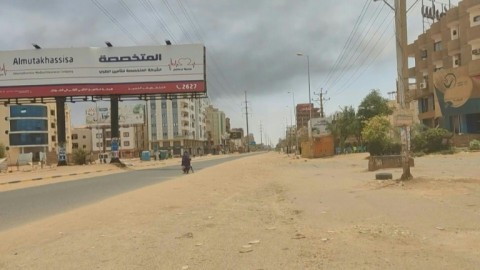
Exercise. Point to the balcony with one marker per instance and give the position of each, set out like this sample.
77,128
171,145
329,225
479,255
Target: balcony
453,47
418,93
411,49
426,115
437,56
474,68
470,3
473,33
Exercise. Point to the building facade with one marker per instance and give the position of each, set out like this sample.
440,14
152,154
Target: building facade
32,129
447,70
305,111
177,125
132,130
216,130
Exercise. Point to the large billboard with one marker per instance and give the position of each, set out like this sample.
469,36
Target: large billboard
102,71
127,115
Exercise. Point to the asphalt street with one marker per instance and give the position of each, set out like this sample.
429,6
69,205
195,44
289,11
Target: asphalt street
25,205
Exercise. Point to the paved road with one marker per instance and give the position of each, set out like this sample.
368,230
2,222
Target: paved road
21,206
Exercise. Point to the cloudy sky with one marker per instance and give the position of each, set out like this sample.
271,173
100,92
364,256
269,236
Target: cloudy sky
251,45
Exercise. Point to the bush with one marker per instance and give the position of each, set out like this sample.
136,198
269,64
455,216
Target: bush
79,156
474,145
2,150
431,140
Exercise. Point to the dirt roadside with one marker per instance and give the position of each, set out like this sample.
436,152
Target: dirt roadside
270,211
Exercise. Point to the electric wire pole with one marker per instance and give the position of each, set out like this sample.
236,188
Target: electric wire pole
400,9
246,117
321,100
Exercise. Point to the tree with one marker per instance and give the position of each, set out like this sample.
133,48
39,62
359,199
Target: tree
372,105
346,124
377,134
2,150
79,156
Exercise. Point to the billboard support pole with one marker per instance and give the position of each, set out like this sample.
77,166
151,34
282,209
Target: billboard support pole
115,132
61,139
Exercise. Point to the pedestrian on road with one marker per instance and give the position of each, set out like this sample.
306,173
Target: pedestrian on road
186,162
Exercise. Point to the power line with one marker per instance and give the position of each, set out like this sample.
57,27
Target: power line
115,21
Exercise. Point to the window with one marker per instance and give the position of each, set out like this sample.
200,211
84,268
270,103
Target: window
437,46
126,134
28,138
54,138
84,146
126,143
98,135
476,18
52,125
28,111
74,136
84,137
52,112
28,125
75,145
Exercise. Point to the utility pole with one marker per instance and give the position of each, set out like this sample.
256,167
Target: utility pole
246,117
321,100
261,135
400,9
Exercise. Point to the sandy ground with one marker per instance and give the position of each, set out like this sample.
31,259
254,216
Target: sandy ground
270,211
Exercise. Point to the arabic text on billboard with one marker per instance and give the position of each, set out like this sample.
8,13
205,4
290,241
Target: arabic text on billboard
102,71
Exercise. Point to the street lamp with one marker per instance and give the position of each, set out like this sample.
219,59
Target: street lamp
310,105
296,124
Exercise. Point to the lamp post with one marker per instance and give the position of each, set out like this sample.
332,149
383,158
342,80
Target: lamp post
295,116
310,105
308,74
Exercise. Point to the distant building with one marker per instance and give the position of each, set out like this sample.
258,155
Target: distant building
305,111
177,125
82,138
216,130
132,130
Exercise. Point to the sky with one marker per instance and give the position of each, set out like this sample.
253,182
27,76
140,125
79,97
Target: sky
347,47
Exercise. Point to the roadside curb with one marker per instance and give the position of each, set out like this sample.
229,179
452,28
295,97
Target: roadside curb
52,177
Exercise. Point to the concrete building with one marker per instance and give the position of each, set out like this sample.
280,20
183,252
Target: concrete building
32,129
82,138
177,125
303,114
216,130
132,130
447,70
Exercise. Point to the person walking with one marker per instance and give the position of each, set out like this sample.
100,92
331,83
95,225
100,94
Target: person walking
186,162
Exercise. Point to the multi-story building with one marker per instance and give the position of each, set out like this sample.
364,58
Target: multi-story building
82,138
305,111
177,125
132,130
216,130
447,70
32,129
